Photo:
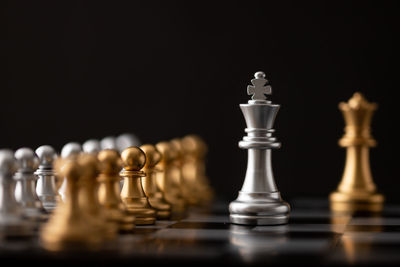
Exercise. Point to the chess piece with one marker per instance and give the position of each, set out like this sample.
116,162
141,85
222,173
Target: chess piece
109,193
194,170
46,188
108,142
12,223
169,179
71,149
259,201
127,140
357,190
91,146
149,183
132,194
25,192
69,226
88,196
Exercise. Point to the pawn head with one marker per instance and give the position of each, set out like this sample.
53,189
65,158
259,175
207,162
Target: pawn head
27,159
110,161
91,146
71,149
8,164
133,158
194,145
89,165
46,155
168,151
153,156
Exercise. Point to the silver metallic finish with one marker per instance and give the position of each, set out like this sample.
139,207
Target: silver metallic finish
69,150
91,146
25,192
46,185
12,222
127,140
259,201
108,142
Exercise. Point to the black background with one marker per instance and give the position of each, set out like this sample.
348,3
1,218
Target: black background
163,69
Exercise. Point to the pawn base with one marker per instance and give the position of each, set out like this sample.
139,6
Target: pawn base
259,209
356,201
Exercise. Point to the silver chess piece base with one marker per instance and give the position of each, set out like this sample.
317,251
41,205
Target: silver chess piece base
259,201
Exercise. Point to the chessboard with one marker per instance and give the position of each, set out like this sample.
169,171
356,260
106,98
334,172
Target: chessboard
313,236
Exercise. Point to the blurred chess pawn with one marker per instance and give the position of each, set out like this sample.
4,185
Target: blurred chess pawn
69,226
91,146
88,196
108,142
71,149
126,140
357,190
149,183
12,223
169,180
46,188
194,170
109,193
132,194
25,192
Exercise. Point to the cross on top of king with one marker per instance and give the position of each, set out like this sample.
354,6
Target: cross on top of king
259,88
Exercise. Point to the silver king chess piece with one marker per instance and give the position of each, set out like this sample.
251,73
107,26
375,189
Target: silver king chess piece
46,187
259,201
12,221
25,192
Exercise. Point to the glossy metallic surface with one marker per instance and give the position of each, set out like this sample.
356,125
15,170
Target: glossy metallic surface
46,188
259,201
132,194
91,146
357,190
25,191
71,149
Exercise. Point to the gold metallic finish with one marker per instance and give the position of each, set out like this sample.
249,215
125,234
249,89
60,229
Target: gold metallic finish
132,194
88,197
194,170
357,190
149,183
169,180
109,195
70,226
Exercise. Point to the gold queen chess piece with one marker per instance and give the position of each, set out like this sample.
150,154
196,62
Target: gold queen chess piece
132,194
149,183
259,201
357,190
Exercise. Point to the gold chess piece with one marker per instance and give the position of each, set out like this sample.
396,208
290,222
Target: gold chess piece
194,170
69,227
357,190
149,183
88,197
132,194
169,180
109,195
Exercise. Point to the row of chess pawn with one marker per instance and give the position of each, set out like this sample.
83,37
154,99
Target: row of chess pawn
89,196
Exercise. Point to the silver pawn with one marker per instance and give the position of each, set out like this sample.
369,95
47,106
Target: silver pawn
91,146
46,188
259,201
108,142
25,192
127,140
12,223
69,150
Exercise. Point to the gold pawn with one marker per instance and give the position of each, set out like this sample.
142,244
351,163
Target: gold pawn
109,190
169,180
357,190
149,183
132,194
88,196
194,170
68,226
